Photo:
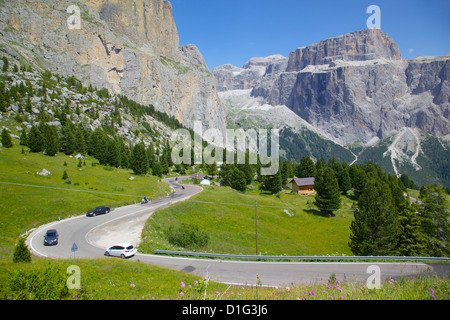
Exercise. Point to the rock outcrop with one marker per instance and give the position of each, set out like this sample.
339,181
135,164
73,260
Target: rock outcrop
130,47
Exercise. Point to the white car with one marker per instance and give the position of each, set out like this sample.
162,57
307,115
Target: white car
123,250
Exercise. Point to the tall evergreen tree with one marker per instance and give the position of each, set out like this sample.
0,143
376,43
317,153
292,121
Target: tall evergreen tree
6,139
237,180
80,142
67,139
156,169
411,239
306,168
358,180
374,230
273,183
328,195
3,102
113,158
435,220
99,146
345,183
138,160
23,137
35,140
5,64
51,141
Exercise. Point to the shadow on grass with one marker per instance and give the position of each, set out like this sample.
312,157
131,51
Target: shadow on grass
320,213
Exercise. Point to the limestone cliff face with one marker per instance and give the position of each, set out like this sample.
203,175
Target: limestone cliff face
361,45
130,47
356,87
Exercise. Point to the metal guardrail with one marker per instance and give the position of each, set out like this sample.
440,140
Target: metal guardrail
299,258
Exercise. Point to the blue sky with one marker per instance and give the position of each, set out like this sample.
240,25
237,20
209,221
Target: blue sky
233,31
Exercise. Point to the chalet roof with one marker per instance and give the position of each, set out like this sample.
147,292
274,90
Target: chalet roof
304,181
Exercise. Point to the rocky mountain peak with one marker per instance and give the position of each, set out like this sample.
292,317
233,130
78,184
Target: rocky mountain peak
368,44
230,77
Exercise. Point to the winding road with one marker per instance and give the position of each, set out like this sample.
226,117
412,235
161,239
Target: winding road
93,234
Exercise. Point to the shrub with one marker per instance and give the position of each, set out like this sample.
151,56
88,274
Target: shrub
187,236
21,252
38,284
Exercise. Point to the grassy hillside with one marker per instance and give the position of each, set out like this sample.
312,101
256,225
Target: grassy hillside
115,279
24,207
230,224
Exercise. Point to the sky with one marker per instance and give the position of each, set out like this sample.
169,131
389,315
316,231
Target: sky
233,31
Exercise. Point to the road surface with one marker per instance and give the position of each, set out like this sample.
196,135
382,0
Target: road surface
93,234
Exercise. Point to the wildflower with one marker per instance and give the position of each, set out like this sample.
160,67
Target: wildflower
195,282
432,291
331,297
342,297
312,293
189,286
433,296
181,294
132,285
182,284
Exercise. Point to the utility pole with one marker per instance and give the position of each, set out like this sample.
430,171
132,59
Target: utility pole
256,225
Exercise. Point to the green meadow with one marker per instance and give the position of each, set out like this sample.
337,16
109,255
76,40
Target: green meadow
286,225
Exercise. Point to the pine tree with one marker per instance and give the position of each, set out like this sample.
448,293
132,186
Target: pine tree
237,180
6,139
435,220
80,143
306,168
328,195
5,64
65,176
411,239
138,160
23,137
113,158
21,252
35,140
67,139
51,142
156,169
375,229
3,102
358,180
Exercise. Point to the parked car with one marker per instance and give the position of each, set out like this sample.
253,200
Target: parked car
51,238
123,250
96,211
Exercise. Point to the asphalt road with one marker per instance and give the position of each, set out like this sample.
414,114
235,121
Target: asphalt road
81,230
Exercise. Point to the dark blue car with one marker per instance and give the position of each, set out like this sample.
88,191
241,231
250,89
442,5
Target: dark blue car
96,211
51,238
